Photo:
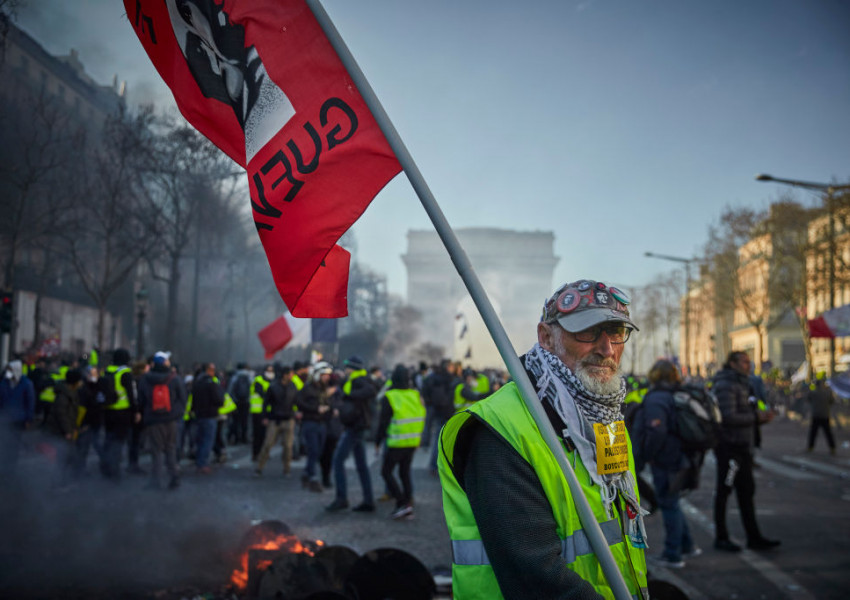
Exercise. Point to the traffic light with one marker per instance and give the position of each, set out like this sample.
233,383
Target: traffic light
6,315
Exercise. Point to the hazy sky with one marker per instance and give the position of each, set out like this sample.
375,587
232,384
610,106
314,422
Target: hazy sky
621,125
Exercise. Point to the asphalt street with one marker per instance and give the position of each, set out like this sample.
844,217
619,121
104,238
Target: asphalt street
802,499
102,540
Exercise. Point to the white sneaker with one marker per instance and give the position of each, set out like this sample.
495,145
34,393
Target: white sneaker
697,551
663,561
402,511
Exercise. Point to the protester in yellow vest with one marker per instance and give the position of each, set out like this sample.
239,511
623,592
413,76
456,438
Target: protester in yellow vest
259,388
466,390
511,515
401,424
120,411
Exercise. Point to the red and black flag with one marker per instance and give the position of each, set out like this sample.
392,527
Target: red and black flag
261,81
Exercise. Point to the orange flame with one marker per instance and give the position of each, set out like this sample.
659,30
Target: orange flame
282,542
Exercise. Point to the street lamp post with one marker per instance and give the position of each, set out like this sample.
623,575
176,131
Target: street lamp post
686,363
230,318
141,313
830,190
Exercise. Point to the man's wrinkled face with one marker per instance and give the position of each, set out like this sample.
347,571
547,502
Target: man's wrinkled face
596,364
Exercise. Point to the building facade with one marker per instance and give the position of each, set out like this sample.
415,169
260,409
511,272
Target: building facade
829,286
48,102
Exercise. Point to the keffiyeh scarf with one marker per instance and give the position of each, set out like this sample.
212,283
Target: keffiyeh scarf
579,409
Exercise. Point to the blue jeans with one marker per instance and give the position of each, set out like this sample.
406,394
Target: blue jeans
113,449
89,438
677,534
313,434
206,436
352,441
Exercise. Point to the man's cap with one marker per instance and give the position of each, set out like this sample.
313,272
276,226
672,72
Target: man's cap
354,362
584,303
161,357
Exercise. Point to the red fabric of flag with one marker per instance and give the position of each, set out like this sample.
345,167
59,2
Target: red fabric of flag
261,80
275,336
819,329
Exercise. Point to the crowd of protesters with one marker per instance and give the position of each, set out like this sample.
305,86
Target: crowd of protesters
83,413
97,415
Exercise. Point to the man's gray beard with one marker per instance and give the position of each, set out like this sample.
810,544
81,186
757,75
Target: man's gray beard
595,386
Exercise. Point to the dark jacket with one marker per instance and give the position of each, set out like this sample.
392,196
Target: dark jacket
356,405
821,399
733,392
17,403
156,376
279,400
62,419
92,397
660,444
438,393
308,399
207,397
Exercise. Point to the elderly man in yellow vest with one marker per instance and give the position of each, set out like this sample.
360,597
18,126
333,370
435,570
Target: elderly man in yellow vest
514,526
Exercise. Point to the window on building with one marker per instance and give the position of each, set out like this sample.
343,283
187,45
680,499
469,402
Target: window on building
792,352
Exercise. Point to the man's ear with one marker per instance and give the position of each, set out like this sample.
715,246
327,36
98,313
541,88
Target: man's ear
544,336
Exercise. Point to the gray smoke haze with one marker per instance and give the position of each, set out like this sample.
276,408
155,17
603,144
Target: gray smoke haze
102,540
98,30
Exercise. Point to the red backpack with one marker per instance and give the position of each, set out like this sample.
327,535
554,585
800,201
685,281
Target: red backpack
161,397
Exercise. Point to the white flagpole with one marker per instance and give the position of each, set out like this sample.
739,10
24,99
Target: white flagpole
482,302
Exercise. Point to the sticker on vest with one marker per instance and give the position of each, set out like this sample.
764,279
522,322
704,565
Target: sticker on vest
612,449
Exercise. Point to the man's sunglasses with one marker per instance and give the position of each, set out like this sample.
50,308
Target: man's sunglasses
617,334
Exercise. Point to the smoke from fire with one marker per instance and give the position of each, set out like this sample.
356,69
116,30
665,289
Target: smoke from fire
102,536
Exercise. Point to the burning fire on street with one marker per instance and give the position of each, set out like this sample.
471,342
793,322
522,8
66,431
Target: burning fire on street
274,538
275,563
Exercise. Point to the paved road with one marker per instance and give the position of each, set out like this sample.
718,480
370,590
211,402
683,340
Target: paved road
102,540
802,498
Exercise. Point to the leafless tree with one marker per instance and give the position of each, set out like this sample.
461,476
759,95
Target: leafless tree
38,156
110,230
186,170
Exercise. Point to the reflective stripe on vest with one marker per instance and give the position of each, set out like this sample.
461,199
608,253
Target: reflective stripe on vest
123,401
408,421
299,383
506,415
472,552
256,397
